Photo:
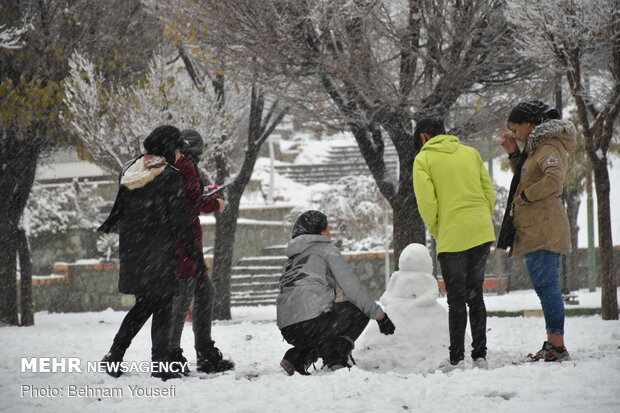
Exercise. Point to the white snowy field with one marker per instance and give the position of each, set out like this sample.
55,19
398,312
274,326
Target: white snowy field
588,383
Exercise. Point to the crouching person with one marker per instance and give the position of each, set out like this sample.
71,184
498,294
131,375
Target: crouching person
313,316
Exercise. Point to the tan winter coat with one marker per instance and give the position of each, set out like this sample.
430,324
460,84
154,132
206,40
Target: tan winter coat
541,222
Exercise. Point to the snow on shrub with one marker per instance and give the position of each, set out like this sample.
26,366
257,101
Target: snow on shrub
55,209
356,211
107,244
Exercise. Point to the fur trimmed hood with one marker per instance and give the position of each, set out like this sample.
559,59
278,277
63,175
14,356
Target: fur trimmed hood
561,130
143,170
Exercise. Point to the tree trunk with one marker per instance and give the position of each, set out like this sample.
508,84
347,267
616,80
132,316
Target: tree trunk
609,299
225,230
226,222
408,225
18,163
25,269
8,268
573,201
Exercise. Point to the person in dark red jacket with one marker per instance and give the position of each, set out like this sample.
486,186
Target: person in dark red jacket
191,285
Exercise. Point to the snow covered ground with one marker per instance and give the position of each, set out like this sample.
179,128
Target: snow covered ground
588,383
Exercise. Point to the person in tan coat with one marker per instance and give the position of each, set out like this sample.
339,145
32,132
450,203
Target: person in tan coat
541,229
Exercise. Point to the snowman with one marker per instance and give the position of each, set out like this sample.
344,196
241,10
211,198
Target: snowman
421,338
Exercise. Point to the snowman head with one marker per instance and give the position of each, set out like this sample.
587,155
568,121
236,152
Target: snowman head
415,257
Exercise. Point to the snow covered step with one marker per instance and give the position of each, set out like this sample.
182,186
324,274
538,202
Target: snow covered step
242,302
255,299
262,259
258,294
271,261
329,174
254,287
275,250
255,277
257,270
352,165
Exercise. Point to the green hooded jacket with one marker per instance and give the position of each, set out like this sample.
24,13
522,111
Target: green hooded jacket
455,194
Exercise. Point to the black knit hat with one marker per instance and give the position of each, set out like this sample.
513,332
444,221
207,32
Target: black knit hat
310,222
195,145
533,111
163,141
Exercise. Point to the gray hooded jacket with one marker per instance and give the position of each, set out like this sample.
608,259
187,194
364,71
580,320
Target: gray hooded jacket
314,270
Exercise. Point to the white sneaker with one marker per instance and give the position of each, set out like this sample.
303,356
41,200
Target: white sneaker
446,366
480,363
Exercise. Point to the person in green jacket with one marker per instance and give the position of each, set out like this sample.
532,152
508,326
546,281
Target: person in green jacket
456,198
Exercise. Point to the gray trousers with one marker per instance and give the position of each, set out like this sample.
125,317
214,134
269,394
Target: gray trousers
203,292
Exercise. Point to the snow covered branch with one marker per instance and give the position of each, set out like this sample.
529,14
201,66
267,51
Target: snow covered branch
12,38
112,120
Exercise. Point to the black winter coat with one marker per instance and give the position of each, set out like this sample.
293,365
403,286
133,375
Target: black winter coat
150,216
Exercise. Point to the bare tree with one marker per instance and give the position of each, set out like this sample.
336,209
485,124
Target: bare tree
216,70
111,120
582,38
375,66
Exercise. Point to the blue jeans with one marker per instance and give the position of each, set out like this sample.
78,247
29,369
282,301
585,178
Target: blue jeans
542,265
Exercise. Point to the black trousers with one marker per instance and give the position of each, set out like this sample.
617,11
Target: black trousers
463,273
325,333
160,307
202,291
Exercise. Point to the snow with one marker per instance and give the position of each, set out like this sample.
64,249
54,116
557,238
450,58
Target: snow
410,300
525,300
88,261
71,169
315,151
588,383
210,219
289,191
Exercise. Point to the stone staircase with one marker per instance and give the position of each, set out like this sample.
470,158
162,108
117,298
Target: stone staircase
254,280
339,161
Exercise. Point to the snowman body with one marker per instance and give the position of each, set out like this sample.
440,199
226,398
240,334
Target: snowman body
422,338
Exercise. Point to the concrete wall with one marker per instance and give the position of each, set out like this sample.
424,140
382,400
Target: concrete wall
252,236
370,269
266,213
79,287
90,286
73,245
77,244
519,279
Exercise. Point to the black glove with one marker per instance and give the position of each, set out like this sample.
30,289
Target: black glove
386,326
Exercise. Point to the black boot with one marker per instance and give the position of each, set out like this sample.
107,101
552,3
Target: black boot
337,352
177,356
210,360
165,370
296,360
111,363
